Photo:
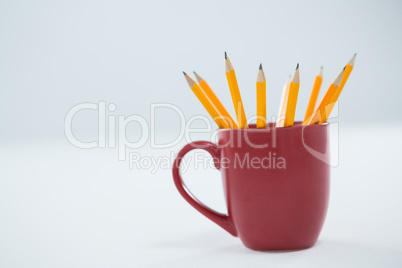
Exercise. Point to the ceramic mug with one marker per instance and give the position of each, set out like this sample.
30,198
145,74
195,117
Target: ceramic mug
276,184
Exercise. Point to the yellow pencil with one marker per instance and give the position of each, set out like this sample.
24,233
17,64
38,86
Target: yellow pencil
215,100
321,114
280,122
292,98
314,95
202,97
261,99
235,93
348,70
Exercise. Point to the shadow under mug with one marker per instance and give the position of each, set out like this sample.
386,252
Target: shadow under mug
275,181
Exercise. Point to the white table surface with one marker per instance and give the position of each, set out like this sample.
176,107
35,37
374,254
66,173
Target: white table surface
66,207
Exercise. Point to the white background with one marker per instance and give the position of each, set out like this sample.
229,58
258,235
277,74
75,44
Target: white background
61,206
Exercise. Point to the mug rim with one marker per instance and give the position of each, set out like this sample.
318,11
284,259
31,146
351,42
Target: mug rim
271,126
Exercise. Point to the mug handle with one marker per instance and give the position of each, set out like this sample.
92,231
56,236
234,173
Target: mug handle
221,219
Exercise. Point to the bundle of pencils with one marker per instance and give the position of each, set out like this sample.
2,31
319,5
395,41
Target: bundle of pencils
287,108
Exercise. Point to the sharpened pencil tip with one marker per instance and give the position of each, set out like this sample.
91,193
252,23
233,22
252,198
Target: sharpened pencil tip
297,66
184,73
194,72
344,68
260,66
352,60
320,72
226,55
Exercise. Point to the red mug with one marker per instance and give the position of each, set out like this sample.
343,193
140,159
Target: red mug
276,184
